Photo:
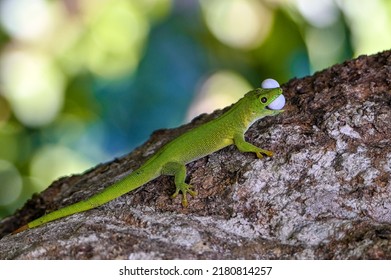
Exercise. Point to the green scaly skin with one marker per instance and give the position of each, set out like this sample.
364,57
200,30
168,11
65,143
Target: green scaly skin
171,159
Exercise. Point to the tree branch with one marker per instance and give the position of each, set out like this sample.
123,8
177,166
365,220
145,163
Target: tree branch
326,194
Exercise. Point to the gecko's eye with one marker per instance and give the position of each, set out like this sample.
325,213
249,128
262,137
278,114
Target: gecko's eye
263,100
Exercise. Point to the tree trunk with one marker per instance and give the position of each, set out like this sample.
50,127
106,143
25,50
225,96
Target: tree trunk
325,194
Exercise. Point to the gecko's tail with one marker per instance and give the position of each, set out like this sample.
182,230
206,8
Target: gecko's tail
23,228
129,183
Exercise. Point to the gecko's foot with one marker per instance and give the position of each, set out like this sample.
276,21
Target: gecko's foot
184,189
260,153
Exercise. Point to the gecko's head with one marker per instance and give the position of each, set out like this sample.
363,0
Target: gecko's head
269,99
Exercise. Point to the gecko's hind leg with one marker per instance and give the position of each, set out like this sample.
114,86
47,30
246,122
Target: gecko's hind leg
178,170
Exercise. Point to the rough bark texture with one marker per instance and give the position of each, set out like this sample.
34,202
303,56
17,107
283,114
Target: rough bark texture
326,194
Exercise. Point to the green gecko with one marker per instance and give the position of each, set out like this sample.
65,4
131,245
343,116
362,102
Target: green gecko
225,130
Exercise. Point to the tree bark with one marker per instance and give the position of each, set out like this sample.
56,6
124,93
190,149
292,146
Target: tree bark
325,194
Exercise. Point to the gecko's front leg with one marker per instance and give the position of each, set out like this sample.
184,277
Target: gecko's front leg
244,147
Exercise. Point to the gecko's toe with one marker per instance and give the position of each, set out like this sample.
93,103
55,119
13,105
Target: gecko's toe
184,189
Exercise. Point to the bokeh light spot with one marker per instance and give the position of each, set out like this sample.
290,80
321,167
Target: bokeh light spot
240,24
116,39
324,47
26,19
319,13
219,90
370,24
33,86
54,161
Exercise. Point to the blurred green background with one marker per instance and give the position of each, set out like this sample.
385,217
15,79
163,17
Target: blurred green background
84,81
